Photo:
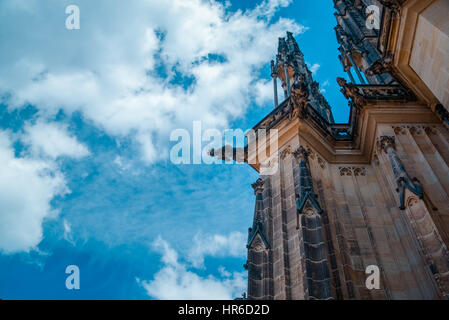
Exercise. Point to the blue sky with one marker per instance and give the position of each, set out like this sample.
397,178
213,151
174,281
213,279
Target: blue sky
85,121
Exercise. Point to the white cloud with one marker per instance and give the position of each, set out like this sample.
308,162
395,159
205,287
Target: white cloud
314,68
324,85
107,70
224,273
122,164
110,72
26,188
175,282
264,92
217,245
269,8
53,140
68,235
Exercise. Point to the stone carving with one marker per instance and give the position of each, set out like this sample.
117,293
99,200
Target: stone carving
258,245
301,109
399,130
416,130
321,163
352,171
285,153
258,186
310,153
385,92
413,129
300,97
350,91
386,142
431,131
392,4
383,65
300,154
359,172
361,94
412,201
345,172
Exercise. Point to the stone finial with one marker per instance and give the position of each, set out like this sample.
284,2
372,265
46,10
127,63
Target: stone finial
387,142
258,186
273,69
341,81
285,152
300,154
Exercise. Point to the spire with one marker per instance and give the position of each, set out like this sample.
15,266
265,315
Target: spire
293,45
310,220
258,225
282,47
289,53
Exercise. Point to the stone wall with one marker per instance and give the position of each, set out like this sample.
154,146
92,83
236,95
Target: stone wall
365,224
430,52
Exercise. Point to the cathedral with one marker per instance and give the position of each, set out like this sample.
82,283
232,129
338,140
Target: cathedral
373,192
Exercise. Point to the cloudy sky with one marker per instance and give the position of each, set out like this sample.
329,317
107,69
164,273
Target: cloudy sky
85,122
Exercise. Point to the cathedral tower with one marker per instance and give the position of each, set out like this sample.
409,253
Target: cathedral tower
373,192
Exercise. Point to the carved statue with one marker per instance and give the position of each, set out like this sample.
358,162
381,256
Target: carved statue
380,66
300,96
350,91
